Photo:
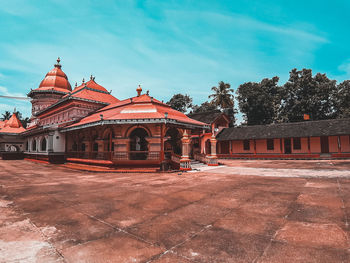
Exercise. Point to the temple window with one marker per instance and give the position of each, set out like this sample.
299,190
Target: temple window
34,145
74,146
297,143
43,144
270,144
246,145
95,147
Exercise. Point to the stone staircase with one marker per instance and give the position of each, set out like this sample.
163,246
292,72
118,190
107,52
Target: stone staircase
197,165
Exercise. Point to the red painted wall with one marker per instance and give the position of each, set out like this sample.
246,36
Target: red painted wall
345,143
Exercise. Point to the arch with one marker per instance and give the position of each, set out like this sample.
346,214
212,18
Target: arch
27,145
34,145
173,142
95,147
138,144
74,146
43,145
12,148
83,147
132,128
107,132
207,147
107,136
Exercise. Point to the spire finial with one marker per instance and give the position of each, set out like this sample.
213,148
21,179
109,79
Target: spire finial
91,77
139,90
14,110
76,84
83,80
58,65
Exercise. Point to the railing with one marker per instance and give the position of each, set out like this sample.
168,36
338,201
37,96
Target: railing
209,160
200,157
117,156
175,158
90,155
136,155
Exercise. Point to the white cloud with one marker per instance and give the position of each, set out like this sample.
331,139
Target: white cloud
5,92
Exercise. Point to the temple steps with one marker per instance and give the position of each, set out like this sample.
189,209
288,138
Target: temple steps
102,169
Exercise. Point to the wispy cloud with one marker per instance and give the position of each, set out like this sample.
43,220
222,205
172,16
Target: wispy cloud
5,92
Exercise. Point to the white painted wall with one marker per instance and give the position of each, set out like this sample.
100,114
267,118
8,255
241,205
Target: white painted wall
59,141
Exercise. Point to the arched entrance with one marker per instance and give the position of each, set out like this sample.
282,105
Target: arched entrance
173,141
138,144
108,136
43,145
34,145
207,147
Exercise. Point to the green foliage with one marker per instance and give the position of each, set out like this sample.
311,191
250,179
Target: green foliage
260,102
205,106
6,116
342,100
222,96
307,94
180,102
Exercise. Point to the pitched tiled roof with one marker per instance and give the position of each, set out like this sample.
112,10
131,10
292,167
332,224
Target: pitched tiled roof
13,125
207,117
142,107
92,91
287,130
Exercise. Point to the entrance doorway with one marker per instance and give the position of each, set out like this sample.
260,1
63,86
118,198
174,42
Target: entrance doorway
207,147
287,146
324,144
138,144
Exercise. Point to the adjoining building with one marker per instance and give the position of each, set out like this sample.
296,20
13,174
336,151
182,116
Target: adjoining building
11,141
308,139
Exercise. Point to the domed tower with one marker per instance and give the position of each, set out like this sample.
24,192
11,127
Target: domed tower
52,88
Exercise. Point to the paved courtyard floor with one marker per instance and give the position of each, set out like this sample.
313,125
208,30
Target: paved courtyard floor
244,211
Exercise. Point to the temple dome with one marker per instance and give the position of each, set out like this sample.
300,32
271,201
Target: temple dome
56,80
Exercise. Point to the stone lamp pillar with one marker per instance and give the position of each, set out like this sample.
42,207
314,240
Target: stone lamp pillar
212,160
185,162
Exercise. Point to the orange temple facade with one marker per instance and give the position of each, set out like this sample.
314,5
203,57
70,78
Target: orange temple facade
87,124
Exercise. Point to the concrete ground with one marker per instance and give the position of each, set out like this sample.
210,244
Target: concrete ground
245,211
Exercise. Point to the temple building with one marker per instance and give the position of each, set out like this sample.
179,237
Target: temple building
88,124
298,140
11,141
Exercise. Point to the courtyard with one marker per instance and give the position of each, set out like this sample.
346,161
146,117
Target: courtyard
242,211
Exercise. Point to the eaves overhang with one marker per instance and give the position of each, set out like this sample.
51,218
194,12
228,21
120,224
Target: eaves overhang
133,121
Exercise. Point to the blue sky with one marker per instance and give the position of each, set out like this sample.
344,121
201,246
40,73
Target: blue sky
169,46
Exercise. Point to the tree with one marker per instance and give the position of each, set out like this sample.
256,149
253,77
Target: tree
342,100
305,94
6,116
205,106
224,99
260,102
180,102
222,96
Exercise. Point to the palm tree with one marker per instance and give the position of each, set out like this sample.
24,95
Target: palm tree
6,116
222,96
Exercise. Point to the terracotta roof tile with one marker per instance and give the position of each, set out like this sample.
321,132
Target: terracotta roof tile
142,107
13,125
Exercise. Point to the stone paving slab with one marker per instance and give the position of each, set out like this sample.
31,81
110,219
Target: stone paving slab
245,211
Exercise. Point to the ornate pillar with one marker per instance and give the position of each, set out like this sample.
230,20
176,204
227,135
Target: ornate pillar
212,160
185,162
